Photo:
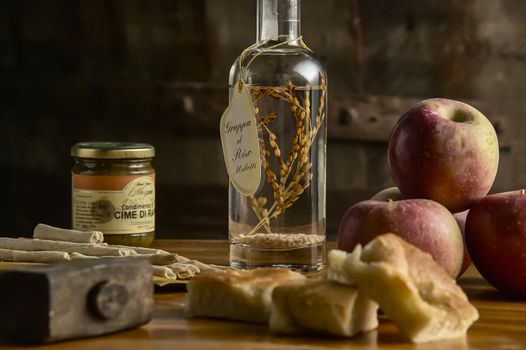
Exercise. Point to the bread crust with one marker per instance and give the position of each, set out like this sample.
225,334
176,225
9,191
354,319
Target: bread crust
411,288
323,307
241,295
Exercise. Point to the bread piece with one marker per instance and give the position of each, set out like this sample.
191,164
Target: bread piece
335,270
324,306
243,295
411,288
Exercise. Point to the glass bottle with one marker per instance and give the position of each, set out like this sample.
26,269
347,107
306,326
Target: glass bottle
283,223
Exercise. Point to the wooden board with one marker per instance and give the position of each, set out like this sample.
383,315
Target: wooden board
8,265
502,323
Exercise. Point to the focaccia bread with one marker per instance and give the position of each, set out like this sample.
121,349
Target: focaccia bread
411,288
324,307
335,270
242,295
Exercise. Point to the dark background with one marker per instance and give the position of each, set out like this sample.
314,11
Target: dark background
156,71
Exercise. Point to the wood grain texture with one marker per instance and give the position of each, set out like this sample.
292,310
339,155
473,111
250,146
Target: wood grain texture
502,323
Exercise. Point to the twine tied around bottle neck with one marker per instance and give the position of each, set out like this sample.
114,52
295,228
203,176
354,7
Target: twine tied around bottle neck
242,75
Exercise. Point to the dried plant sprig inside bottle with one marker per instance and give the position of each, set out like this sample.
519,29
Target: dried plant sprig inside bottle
293,174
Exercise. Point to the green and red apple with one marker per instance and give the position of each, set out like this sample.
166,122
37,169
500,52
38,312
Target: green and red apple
424,223
394,194
496,240
444,150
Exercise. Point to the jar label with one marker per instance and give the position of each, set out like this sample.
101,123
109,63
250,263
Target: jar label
239,138
113,204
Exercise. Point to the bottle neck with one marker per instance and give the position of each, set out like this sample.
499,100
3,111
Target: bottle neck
278,21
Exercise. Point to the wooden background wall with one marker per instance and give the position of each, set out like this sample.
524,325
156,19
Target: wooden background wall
156,71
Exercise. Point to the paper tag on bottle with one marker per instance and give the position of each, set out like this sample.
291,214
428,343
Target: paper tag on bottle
239,137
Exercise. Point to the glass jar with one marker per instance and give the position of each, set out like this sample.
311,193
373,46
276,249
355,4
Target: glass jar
113,191
283,223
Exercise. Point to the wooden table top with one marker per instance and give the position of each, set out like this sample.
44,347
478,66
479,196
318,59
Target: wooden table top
502,323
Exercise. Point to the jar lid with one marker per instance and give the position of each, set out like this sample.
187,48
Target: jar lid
113,150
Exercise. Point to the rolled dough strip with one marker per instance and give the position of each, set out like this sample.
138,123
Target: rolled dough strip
155,259
143,250
161,258
202,266
164,272
184,271
76,256
33,257
68,247
47,232
157,256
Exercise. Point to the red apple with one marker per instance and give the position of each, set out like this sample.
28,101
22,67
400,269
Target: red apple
444,150
394,194
496,240
461,220
424,223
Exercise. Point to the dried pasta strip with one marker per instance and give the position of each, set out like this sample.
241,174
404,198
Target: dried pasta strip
33,257
202,266
184,271
155,259
158,271
164,272
142,250
51,233
76,256
156,256
68,247
161,258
